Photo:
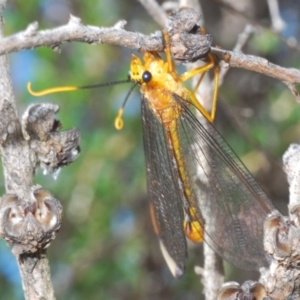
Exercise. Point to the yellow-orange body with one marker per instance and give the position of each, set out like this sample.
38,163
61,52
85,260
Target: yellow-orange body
161,99
159,92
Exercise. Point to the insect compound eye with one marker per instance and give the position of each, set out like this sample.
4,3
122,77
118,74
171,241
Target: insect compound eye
129,75
146,76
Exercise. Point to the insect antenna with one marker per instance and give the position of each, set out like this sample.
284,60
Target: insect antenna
119,121
62,89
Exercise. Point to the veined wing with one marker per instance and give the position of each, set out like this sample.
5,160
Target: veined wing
228,199
164,192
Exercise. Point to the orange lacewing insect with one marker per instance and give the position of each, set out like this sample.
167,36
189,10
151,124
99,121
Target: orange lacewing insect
198,187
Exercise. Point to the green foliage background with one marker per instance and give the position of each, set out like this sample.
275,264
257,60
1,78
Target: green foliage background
106,248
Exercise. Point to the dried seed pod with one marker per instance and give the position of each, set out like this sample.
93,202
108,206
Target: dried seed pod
295,214
276,240
281,241
249,290
30,226
53,149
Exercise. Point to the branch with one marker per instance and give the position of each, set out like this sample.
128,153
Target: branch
29,215
212,273
240,43
289,76
278,23
156,11
75,31
18,166
291,42
185,47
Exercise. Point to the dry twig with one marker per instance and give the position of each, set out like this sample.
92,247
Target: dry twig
29,215
212,273
277,23
289,76
18,166
156,11
117,35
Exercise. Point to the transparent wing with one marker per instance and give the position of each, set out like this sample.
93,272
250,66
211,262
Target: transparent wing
229,203
164,192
